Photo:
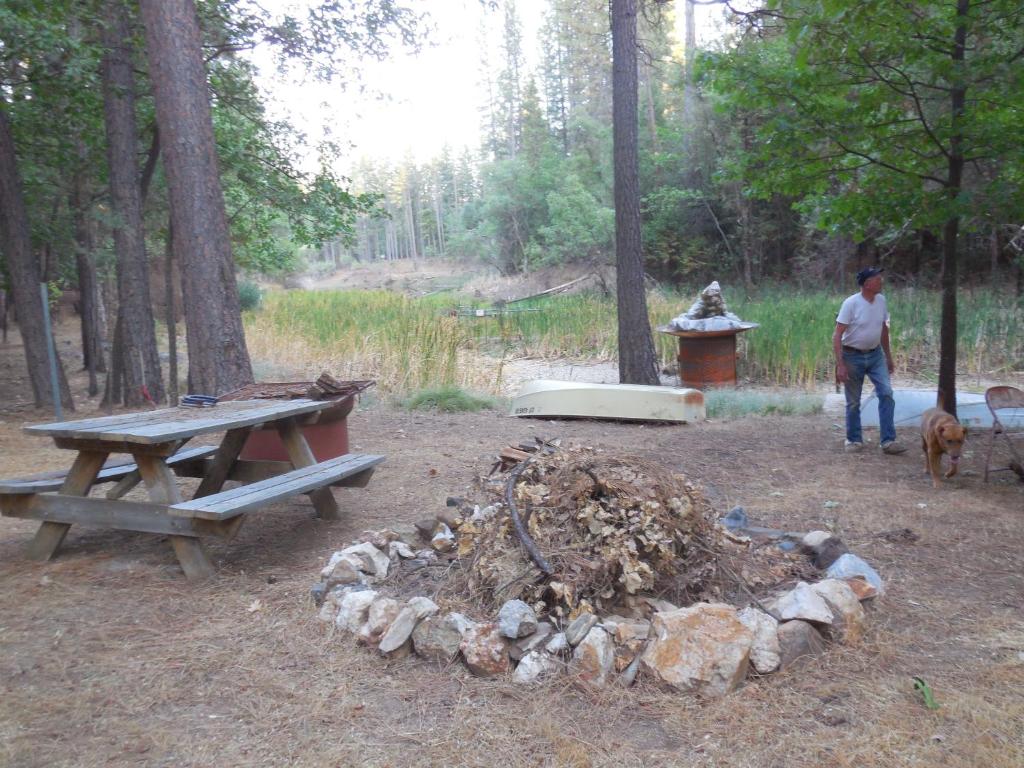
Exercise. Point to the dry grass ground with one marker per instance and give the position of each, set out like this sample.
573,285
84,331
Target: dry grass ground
108,657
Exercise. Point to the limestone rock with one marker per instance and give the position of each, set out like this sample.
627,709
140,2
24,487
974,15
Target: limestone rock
594,658
380,539
861,588
400,630
657,605
328,612
399,550
814,539
443,539
439,637
535,666
628,676
803,603
516,619
426,528
382,612
849,565
520,648
704,648
485,650
345,571
557,644
372,561
798,642
579,627
353,609
765,653
847,613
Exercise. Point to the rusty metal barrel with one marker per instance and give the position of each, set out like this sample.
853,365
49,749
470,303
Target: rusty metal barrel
706,358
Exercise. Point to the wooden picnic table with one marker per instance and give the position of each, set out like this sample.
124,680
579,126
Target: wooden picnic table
154,440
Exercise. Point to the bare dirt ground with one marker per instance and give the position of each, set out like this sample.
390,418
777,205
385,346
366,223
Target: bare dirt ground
109,657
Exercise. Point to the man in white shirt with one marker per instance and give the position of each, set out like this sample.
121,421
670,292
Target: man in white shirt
861,347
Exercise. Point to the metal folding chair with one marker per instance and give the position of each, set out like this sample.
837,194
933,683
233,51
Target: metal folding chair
1002,399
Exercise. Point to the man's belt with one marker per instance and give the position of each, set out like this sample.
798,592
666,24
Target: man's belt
858,351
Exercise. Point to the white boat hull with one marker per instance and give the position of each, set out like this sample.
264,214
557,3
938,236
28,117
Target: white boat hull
971,409
549,398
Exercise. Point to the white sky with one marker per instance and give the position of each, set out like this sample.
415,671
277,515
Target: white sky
432,98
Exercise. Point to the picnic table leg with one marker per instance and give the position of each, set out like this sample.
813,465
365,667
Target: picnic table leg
164,490
78,482
300,455
223,461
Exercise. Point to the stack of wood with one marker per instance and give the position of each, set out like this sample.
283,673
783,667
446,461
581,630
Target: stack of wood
511,455
326,387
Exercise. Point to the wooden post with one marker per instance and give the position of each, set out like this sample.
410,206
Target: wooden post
163,489
300,455
78,482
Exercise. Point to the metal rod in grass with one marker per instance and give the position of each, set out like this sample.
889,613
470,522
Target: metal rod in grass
528,543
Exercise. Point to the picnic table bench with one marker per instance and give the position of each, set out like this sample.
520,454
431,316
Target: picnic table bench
155,440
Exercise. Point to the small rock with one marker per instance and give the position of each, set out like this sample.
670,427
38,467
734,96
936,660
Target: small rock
426,528
861,588
594,658
328,612
353,609
371,560
345,571
658,605
765,654
557,644
438,637
318,592
485,650
847,613
813,539
380,539
849,565
801,602
704,648
454,501
518,650
579,627
535,666
798,642
828,552
831,504
516,619
381,614
736,518
400,630
443,540
399,550
451,519
482,515
628,676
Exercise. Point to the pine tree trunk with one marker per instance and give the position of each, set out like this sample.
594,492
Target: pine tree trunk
951,230
217,354
144,379
637,362
23,271
88,288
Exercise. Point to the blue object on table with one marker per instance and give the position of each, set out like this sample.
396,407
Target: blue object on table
198,401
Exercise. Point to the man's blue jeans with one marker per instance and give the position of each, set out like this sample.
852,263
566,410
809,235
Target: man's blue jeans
870,364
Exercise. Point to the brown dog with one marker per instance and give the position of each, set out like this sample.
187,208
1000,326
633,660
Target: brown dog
941,433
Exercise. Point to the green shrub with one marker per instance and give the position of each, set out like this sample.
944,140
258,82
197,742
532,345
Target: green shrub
249,295
449,400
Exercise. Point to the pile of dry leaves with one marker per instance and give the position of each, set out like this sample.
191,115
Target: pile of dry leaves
605,528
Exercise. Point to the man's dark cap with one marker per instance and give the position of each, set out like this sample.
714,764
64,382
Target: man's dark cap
864,274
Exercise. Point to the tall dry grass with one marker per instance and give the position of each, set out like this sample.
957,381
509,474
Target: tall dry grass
408,344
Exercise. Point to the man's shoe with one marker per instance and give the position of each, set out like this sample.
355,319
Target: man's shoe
893,448
853,447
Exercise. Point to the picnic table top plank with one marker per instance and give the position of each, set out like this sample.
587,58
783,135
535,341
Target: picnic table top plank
168,424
